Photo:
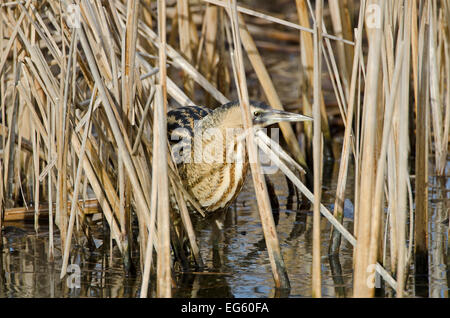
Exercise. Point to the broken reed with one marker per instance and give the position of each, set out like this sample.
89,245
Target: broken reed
76,110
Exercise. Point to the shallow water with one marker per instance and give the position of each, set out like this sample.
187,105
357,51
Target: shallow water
235,256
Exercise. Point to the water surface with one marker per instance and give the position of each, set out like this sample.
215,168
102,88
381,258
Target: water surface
235,256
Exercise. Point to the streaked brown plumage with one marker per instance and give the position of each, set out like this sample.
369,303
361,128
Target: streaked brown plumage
210,151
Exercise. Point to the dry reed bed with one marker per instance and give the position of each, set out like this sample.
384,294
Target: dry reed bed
85,108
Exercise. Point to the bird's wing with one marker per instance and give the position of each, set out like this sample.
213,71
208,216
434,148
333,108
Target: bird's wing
181,121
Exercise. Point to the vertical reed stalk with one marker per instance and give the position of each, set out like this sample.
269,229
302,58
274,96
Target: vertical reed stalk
380,171
185,40
317,151
211,30
36,170
2,106
346,146
160,136
128,107
129,54
421,162
149,246
339,26
308,66
436,106
51,139
10,156
403,149
264,207
361,255
163,260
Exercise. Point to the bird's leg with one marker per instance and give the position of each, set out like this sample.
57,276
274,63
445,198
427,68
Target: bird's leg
275,205
178,239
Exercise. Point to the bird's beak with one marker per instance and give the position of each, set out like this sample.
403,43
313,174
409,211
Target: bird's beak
273,116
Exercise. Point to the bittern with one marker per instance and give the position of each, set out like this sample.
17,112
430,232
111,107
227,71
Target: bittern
210,152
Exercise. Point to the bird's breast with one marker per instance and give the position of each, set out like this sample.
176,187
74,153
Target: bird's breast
216,171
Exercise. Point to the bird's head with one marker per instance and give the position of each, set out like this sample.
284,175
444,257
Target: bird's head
230,116
263,115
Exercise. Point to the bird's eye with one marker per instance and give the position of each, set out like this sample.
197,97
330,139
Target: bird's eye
256,113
